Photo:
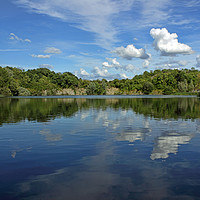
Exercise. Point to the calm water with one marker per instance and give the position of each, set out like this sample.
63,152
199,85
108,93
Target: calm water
100,149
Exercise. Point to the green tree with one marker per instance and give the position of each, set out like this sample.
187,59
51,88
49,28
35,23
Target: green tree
147,88
191,86
168,90
183,86
91,89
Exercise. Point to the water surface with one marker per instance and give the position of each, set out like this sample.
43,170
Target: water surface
100,148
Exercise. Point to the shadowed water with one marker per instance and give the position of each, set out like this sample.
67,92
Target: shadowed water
100,148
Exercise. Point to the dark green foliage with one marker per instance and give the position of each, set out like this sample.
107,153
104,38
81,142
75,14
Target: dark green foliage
96,88
91,89
168,90
42,81
5,91
147,88
191,86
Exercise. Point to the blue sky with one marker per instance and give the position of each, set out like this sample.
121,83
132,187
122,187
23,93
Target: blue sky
97,39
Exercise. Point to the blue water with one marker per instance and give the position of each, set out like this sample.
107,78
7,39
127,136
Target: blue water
107,148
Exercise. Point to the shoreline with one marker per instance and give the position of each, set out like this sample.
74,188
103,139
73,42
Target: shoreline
106,96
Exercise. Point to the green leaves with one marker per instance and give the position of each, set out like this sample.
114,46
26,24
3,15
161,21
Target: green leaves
42,81
147,88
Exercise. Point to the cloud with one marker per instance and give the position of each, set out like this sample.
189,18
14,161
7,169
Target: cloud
46,66
40,56
15,37
169,144
129,68
115,64
10,50
14,152
82,74
181,22
52,50
146,63
172,64
99,73
198,61
94,16
182,63
49,136
153,12
192,3
168,43
72,56
131,52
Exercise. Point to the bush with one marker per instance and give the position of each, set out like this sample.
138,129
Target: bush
168,90
147,88
23,92
91,89
5,91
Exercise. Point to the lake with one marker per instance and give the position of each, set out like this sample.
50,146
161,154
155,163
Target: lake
100,148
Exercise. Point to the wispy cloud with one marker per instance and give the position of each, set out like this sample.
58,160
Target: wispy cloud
52,50
93,16
10,50
192,3
181,22
153,12
16,38
171,63
46,66
40,56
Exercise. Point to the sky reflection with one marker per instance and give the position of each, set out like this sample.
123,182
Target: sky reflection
99,150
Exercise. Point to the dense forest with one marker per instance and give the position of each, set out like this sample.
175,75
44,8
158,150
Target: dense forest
42,82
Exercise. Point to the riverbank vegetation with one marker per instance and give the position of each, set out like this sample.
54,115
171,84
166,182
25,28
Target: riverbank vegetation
44,82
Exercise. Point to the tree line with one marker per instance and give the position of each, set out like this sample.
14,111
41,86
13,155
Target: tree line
42,81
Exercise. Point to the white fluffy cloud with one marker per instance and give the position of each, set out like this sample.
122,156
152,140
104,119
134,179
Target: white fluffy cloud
40,56
114,63
100,72
82,74
15,37
168,43
198,61
131,52
52,50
